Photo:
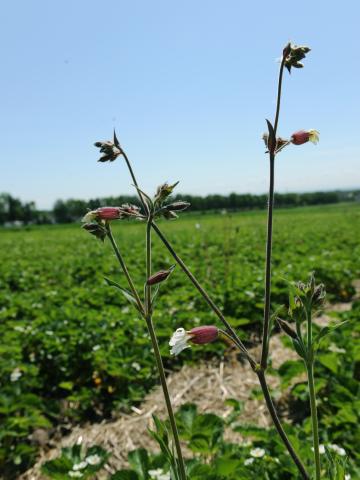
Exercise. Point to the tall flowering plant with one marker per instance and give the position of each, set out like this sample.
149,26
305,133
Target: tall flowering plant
98,223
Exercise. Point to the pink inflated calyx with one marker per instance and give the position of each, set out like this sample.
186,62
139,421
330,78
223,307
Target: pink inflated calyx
303,136
300,137
108,213
203,334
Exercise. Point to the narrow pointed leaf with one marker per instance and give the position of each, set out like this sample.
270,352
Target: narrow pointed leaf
272,138
123,290
116,141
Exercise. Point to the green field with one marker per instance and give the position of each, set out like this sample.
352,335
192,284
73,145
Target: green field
73,350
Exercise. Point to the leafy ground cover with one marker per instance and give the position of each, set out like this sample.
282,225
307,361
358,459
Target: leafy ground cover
73,350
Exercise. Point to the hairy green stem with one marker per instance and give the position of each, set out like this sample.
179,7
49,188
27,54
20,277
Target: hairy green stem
309,364
314,419
274,415
267,306
124,269
277,423
266,324
158,358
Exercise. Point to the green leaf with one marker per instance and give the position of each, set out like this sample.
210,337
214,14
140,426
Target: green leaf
185,416
326,331
329,360
66,385
125,292
299,348
290,369
139,460
272,138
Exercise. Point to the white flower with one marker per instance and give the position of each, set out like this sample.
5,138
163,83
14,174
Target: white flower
89,216
248,461
197,226
178,341
136,366
159,474
321,449
75,474
339,450
313,136
335,349
80,466
93,459
348,476
257,452
15,374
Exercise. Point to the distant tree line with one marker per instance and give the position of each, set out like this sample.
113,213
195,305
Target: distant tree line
13,210
67,211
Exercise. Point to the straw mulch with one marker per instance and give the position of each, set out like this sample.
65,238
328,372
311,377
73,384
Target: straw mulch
207,385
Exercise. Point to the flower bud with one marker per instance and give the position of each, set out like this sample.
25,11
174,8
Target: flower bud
292,55
109,149
103,213
160,276
169,215
303,136
112,213
199,335
163,192
204,334
286,328
128,210
177,206
95,229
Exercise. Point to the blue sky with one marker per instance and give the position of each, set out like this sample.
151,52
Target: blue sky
187,85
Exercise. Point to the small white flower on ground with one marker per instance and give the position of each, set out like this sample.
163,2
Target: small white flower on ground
159,474
80,466
321,449
93,459
197,226
178,341
248,461
136,366
15,374
257,452
75,474
247,443
339,450
348,476
335,349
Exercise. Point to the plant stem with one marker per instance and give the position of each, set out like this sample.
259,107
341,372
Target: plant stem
132,174
274,416
217,311
204,294
266,323
277,423
309,363
314,419
157,353
124,268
